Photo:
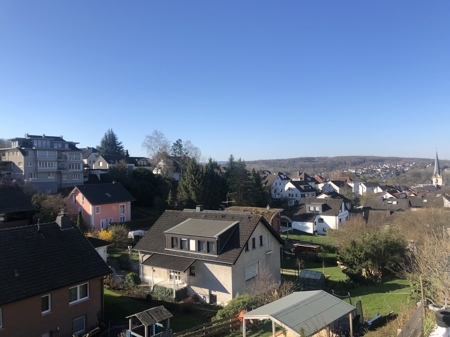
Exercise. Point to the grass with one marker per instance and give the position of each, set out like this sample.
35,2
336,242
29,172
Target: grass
393,295
116,252
117,307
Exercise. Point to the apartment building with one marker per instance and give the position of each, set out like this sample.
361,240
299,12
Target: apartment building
48,162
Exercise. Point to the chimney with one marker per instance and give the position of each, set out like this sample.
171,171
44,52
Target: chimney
63,220
199,208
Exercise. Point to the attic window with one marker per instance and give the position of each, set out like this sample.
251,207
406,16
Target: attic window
424,200
108,195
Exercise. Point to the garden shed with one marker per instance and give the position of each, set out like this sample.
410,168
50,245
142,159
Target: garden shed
311,280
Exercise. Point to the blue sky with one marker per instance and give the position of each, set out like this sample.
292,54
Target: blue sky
256,79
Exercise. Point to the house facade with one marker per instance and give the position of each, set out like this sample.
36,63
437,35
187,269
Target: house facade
48,162
52,281
101,204
317,215
213,254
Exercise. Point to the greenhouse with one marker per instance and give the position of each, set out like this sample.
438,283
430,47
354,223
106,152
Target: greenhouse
311,280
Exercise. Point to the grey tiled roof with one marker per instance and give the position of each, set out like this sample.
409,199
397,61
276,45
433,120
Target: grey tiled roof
36,260
12,199
169,262
99,194
330,207
154,240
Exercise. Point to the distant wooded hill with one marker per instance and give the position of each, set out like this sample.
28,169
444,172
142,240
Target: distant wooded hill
326,165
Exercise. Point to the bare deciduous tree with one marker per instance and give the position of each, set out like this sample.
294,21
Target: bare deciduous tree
156,143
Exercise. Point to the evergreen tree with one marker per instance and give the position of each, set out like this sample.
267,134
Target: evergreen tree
81,224
257,195
110,145
190,187
238,181
214,186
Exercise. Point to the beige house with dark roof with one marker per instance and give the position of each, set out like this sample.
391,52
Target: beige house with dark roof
213,254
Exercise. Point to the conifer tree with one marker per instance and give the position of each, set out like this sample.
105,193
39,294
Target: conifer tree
110,145
81,224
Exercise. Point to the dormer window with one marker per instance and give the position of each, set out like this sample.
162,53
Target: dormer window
211,247
184,244
174,242
201,246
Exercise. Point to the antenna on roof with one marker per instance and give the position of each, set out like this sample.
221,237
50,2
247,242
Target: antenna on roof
39,224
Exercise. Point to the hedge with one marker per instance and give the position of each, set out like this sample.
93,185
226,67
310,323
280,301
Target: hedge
166,294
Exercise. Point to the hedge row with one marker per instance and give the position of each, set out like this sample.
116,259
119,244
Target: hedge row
166,294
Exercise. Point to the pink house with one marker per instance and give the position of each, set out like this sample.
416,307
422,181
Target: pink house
101,204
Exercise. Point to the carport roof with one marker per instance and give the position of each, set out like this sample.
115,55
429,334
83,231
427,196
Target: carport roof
309,311
176,263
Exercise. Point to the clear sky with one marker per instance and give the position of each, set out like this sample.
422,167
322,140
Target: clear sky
256,79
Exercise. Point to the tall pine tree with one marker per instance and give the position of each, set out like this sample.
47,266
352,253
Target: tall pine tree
190,187
110,145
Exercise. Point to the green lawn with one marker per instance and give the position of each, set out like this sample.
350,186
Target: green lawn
117,252
117,307
381,298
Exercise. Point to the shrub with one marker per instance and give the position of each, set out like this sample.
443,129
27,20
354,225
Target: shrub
105,235
133,278
236,305
120,235
124,262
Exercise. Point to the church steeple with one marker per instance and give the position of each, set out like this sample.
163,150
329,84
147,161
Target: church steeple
437,178
437,169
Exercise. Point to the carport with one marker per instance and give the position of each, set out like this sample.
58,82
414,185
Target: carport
303,313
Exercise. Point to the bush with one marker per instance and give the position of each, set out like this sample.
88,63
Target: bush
124,262
187,307
236,305
120,235
133,278
105,235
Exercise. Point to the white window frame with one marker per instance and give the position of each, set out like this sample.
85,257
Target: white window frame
110,221
51,175
29,164
33,175
49,299
64,177
79,332
122,218
122,209
97,209
103,224
79,299
76,177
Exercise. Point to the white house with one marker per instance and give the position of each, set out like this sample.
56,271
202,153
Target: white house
213,254
369,188
316,215
276,184
295,190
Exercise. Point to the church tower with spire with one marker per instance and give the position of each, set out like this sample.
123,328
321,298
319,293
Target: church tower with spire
437,178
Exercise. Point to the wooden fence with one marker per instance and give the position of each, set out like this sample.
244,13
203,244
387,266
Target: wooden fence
414,326
221,327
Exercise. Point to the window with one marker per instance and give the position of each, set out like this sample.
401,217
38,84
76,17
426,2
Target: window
321,220
192,270
174,242
201,246
121,209
78,293
211,247
46,305
121,218
110,221
64,177
246,247
76,177
103,224
33,176
261,240
51,175
29,164
97,209
74,166
79,326
184,244
82,199
19,164
253,243
100,164
192,244
251,270
174,275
